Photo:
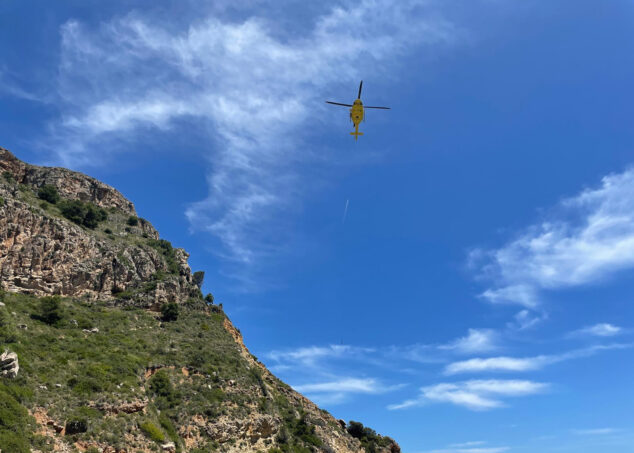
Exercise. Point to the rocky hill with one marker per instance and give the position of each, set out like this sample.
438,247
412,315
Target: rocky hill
108,345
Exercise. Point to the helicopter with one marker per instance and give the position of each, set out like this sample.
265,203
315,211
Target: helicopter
357,112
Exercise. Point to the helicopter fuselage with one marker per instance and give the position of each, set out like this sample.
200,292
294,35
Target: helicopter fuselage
356,112
356,115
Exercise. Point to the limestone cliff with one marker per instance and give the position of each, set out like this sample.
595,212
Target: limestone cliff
42,253
99,378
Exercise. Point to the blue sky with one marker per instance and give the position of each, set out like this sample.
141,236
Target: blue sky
460,278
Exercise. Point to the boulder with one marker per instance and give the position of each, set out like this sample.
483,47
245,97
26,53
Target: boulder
9,364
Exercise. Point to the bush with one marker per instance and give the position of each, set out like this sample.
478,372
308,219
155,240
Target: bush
50,309
170,312
86,214
133,221
48,193
152,431
8,333
107,231
1,201
8,177
76,425
209,298
198,278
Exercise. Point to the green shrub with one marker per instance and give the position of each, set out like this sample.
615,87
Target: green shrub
48,193
8,333
76,425
133,221
50,309
86,214
152,431
169,311
198,278
14,421
8,177
209,298
1,201
107,231
168,426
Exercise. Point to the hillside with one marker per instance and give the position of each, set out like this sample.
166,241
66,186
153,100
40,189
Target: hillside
111,347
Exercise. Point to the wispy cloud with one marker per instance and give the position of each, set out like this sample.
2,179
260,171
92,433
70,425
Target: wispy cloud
595,431
338,391
470,450
599,330
252,87
496,364
477,340
478,395
586,239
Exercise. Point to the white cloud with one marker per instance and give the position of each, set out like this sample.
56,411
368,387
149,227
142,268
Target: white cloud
526,319
346,385
477,340
599,330
595,432
475,395
253,88
312,356
589,238
473,443
471,450
496,364
339,390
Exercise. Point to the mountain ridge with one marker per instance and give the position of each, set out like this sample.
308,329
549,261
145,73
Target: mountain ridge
135,359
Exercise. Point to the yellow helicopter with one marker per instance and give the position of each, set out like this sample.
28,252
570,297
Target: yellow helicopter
356,112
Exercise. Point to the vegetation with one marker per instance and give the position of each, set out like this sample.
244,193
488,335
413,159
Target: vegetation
50,309
370,440
86,214
198,278
169,311
152,431
132,220
187,367
209,298
8,177
48,193
165,248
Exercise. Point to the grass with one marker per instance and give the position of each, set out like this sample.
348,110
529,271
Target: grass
70,372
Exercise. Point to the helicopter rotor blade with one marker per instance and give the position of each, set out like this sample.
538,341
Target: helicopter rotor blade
338,103
383,108
360,86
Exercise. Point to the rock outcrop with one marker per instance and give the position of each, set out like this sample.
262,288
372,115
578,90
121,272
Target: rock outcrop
42,253
9,366
69,184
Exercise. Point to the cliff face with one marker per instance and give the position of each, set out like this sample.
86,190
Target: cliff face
112,380
42,253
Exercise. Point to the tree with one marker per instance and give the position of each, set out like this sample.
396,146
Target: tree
209,298
48,193
50,309
169,311
198,278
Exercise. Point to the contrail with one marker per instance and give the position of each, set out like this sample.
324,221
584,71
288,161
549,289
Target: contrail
345,211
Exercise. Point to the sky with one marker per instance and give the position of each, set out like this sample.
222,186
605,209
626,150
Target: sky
459,279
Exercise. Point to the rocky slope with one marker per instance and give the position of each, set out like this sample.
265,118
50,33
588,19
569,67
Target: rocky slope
42,253
100,370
